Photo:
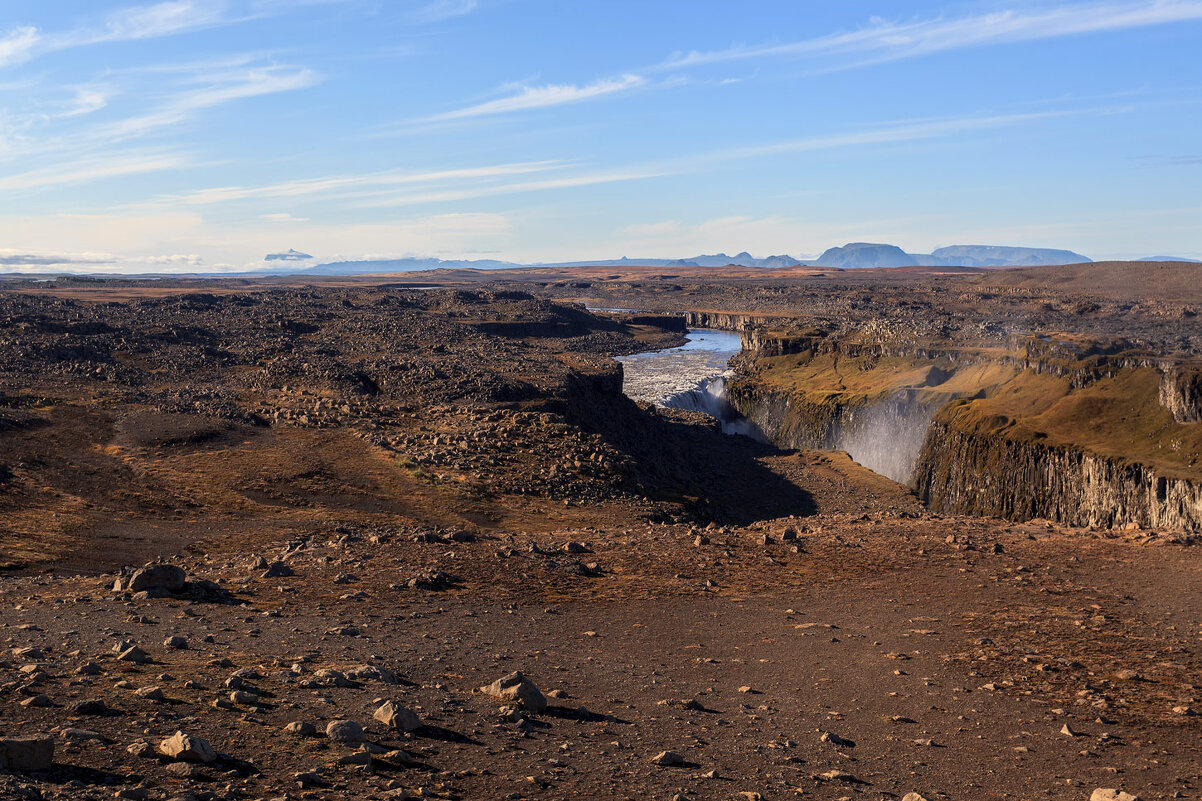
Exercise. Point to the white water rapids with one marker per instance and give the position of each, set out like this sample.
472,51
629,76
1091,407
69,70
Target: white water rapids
692,376
885,437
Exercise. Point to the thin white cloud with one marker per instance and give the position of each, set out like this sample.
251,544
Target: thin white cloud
468,193
18,46
222,88
906,131
444,9
87,100
93,169
893,133
533,97
168,18
884,40
341,185
160,19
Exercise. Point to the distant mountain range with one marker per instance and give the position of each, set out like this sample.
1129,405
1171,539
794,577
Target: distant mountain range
869,254
854,255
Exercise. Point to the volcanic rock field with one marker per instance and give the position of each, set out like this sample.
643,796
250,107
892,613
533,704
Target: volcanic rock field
349,539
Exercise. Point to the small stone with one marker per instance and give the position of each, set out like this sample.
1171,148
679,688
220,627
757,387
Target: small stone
1069,731
345,731
152,694
140,748
278,570
300,728
397,717
836,740
92,706
183,770
134,654
176,642
37,700
515,687
1106,794
243,698
187,748
913,797
668,759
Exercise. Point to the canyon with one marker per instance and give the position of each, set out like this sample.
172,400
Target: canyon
512,534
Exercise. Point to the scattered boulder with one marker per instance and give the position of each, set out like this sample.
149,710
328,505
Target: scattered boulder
515,688
186,748
184,770
140,748
176,642
397,717
151,693
278,570
668,759
1105,794
26,753
91,706
345,731
299,728
134,654
167,578
836,740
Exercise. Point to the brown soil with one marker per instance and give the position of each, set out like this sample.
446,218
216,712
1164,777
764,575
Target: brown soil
460,490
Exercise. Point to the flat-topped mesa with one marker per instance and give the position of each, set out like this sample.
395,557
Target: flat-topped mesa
1181,392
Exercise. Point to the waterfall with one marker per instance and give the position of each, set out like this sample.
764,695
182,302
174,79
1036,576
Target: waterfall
709,396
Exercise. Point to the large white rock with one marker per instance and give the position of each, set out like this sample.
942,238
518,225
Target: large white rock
345,731
187,748
517,689
397,717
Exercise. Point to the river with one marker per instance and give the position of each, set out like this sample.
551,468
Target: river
692,376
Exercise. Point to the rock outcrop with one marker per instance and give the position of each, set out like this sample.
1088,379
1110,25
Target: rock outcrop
1181,393
971,473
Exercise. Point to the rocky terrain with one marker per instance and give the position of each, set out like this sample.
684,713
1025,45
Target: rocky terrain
1079,381
356,540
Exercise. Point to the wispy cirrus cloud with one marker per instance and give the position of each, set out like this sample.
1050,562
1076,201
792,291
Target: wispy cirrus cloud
444,9
392,188
884,40
18,45
109,165
536,97
133,23
218,88
338,186
160,19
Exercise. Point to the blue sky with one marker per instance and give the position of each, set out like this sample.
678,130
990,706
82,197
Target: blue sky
204,134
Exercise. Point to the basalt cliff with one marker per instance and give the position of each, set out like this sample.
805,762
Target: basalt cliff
1080,432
